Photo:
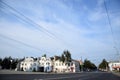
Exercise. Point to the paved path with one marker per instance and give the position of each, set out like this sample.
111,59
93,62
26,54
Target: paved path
53,76
19,72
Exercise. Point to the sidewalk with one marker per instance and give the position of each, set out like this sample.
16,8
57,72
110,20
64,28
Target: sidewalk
19,72
116,73
5,71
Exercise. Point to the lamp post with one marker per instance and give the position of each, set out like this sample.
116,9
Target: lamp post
11,64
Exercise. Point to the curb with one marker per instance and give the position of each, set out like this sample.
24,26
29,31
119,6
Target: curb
116,73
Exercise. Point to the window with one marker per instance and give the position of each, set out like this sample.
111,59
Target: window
34,64
48,63
48,67
68,64
30,68
62,64
71,64
56,64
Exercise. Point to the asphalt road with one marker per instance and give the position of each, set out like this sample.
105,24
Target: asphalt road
67,76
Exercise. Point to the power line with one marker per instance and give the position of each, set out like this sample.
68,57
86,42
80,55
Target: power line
109,21
20,42
29,21
39,27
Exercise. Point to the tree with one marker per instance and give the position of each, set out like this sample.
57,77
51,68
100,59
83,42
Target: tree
103,64
88,65
14,63
0,61
67,56
44,55
62,58
6,63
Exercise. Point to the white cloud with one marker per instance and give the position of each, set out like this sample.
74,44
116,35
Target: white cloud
87,42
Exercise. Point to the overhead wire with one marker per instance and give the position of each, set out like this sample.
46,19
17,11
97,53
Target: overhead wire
29,21
36,25
23,43
18,41
110,25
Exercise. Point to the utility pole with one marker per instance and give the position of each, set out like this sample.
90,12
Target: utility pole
81,64
117,53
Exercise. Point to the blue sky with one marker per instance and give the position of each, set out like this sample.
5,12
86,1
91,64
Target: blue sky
52,26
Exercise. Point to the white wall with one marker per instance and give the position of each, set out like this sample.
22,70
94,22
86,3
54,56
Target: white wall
112,65
56,65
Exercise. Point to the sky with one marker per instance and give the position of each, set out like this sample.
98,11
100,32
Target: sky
88,29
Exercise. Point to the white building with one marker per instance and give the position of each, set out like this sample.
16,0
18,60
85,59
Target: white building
44,64
29,64
114,66
59,66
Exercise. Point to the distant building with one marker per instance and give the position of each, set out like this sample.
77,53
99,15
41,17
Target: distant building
114,66
66,67
29,64
44,64
59,66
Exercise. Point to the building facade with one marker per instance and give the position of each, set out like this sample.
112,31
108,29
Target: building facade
29,64
114,66
45,64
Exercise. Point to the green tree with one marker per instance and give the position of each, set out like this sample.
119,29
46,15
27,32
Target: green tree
62,58
14,63
6,63
103,64
67,56
0,61
89,65
44,55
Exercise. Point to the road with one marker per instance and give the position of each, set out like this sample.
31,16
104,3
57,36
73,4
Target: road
67,76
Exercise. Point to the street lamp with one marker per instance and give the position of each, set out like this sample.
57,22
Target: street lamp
11,64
